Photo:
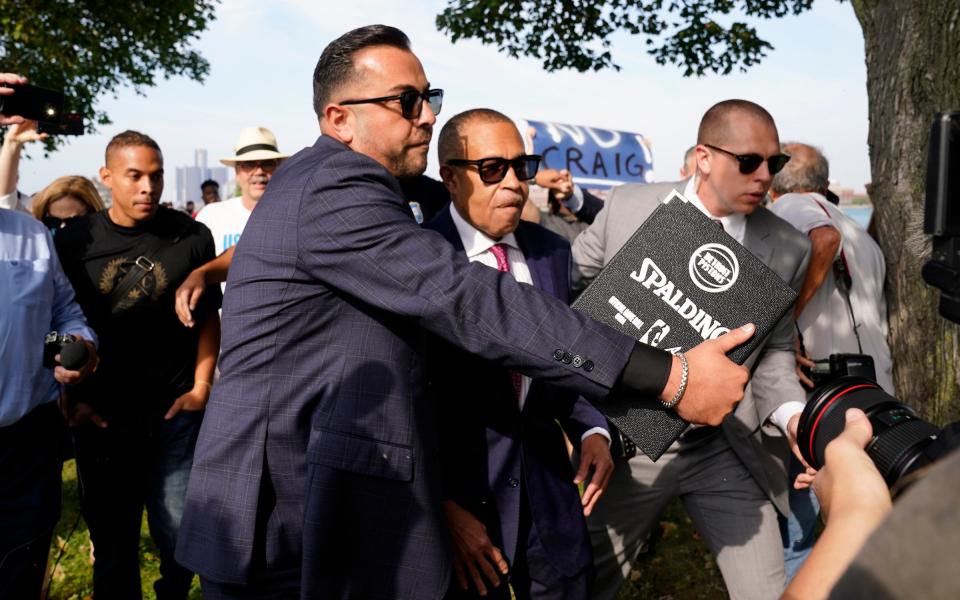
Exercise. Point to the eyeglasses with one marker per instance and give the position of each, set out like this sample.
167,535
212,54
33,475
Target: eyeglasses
251,165
494,170
751,162
411,102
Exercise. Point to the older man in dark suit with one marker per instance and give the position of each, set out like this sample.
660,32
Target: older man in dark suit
510,496
315,472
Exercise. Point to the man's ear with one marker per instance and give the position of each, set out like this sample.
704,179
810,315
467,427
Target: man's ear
703,159
449,181
339,122
105,176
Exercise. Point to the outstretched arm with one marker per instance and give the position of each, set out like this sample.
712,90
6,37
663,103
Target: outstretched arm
193,287
853,500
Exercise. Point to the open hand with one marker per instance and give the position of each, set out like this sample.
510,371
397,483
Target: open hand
595,456
474,555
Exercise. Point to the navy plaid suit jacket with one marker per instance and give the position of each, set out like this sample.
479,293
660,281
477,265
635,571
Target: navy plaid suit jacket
491,453
317,452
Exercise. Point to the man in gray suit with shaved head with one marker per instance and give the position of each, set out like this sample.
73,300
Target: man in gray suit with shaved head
730,477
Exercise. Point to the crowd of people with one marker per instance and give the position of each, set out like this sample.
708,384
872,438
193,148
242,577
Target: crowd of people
353,381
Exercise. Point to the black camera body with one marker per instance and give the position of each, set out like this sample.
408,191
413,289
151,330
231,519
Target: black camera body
32,102
69,124
53,344
841,365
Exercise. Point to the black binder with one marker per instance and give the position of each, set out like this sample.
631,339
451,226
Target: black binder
679,280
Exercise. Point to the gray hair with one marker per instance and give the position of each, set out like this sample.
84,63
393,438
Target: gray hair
807,171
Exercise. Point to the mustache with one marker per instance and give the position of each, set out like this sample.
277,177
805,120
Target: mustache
425,137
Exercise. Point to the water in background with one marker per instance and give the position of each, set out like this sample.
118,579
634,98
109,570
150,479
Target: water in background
860,214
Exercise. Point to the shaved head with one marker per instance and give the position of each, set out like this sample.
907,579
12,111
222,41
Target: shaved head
717,123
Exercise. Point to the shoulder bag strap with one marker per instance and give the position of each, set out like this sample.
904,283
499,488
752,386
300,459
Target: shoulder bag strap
141,266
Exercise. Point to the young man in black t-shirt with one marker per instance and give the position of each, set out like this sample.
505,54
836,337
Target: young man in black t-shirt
137,418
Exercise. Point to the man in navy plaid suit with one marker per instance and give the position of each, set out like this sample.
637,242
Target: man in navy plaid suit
315,475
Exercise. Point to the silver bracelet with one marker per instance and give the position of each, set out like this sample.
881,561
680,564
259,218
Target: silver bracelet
684,373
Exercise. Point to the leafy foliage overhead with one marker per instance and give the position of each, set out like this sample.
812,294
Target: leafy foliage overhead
576,33
88,48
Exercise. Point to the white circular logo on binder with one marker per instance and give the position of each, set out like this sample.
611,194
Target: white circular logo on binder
714,268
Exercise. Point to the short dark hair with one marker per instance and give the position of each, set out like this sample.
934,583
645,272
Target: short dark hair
209,183
449,144
127,139
715,124
335,67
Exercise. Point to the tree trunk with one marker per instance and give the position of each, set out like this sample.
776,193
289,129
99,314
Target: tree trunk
913,71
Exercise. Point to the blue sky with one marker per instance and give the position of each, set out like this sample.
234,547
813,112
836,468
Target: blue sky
262,56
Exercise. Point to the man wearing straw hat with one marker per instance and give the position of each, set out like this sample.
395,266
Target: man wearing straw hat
255,157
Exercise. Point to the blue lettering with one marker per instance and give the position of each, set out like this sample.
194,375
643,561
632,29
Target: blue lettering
230,240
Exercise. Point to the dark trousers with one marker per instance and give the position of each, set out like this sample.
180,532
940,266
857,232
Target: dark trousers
123,468
531,576
29,500
283,585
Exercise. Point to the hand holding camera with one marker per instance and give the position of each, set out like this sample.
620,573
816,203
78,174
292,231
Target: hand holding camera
7,80
21,102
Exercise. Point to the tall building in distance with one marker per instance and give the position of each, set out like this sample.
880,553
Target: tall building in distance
190,178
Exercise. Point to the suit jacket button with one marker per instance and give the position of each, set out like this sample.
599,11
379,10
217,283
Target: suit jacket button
578,361
558,354
588,365
513,482
567,358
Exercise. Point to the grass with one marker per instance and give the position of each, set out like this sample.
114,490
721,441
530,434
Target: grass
677,566
72,578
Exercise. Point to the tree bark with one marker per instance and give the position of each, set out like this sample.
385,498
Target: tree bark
913,72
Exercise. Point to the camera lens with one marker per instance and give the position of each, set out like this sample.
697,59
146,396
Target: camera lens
899,435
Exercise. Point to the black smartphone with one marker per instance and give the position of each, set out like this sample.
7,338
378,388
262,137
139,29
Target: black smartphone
70,124
32,102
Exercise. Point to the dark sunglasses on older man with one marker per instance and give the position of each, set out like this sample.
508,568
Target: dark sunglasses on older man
411,102
494,170
751,162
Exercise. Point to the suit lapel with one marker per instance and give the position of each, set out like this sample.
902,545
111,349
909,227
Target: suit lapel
444,225
539,263
755,239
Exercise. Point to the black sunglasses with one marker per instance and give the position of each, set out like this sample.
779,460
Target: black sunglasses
54,223
493,170
751,162
411,102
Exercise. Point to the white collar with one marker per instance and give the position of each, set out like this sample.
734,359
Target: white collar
732,223
475,242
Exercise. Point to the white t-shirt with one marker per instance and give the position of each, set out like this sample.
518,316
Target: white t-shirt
826,323
226,221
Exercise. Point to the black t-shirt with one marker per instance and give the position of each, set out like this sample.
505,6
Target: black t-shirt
147,357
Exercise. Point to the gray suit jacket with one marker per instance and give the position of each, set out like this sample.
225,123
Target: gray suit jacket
760,445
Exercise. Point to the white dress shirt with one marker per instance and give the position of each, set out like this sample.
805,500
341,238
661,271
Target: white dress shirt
477,246
736,226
